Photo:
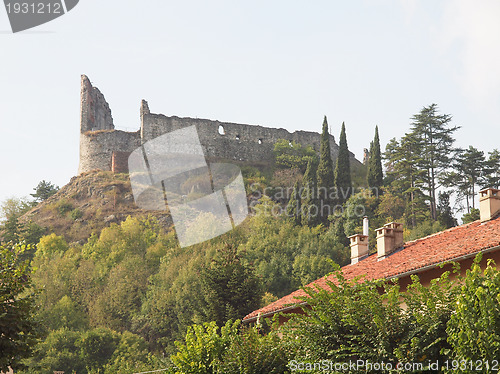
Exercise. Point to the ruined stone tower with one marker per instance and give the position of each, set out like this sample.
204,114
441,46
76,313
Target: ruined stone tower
102,147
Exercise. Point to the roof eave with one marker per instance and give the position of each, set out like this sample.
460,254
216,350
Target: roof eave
405,274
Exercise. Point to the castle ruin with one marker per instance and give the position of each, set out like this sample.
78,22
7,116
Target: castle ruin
105,148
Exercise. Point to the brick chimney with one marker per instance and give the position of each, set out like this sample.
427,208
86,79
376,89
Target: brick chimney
489,204
359,247
389,238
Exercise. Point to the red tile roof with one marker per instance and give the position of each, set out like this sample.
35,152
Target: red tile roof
426,252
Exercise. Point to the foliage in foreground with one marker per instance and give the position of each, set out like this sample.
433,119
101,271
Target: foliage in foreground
232,350
450,319
455,317
18,330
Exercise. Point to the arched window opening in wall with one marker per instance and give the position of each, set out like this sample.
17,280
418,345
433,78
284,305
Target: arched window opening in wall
221,130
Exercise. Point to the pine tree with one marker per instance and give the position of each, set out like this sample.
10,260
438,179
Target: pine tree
325,177
343,182
403,160
492,172
230,288
309,206
375,177
469,169
293,209
435,136
44,190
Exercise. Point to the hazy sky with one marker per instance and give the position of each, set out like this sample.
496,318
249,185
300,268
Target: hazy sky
272,63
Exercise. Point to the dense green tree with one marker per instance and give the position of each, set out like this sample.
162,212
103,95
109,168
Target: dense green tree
325,177
14,207
97,347
469,170
18,330
472,216
257,349
275,243
339,231
12,230
204,346
309,203
232,349
392,205
57,352
44,190
374,321
292,155
403,160
230,288
474,327
375,176
294,207
343,184
65,314
434,134
492,171
445,213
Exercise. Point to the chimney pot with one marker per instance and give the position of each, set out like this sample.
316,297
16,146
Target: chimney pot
359,247
489,204
389,238
398,234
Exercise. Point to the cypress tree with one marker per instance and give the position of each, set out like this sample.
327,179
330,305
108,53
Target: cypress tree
293,209
375,177
343,169
325,177
309,208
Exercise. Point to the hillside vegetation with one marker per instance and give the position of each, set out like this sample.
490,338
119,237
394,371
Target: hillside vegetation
114,290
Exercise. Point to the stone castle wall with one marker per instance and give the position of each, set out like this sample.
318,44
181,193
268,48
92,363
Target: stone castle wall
94,110
220,140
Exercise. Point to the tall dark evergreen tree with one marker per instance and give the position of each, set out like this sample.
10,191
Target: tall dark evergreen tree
309,206
375,177
435,135
230,289
325,177
492,175
445,213
293,209
343,182
403,160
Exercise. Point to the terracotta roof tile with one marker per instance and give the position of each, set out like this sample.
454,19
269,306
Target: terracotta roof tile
432,250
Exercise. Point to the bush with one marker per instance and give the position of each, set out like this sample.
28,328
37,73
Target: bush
251,352
355,320
76,214
474,327
233,350
204,346
63,207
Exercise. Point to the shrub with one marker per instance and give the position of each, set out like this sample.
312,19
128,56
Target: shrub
474,327
63,207
204,346
76,214
251,352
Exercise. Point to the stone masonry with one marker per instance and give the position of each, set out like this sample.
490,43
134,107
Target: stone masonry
102,147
